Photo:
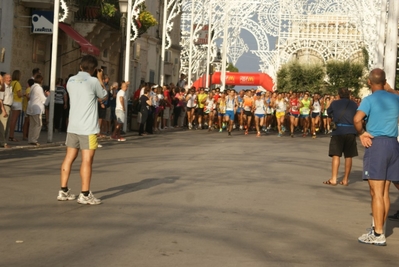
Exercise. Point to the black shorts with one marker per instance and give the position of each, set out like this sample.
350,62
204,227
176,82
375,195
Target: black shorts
199,111
315,114
247,113
189,109
102,112
345,143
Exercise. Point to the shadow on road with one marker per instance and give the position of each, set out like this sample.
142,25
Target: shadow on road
133,187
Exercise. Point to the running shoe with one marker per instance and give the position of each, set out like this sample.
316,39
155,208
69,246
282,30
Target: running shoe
229,134
279,135
241,127
292,135
246,132
394,217
121,139
282,128
234,126
258,134
314,136
372,239
224,125
64,196
89,200
220,130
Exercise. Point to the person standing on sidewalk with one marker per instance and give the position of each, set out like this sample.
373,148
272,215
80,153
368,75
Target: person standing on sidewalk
381,157
120,112
35,110
6,95
84,94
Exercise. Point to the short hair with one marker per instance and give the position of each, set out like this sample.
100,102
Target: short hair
377,76
16,75
147,90
38,78
31,82
343,92
58,81
88,63
35,71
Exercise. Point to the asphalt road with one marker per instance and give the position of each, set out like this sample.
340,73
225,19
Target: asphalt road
190,198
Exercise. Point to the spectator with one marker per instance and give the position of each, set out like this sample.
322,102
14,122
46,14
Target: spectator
35,110
25,128
17,103
60,104
7,99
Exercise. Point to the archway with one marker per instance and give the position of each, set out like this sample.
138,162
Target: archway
239,78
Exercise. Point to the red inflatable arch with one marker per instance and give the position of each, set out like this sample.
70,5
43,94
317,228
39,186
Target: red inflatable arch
239,78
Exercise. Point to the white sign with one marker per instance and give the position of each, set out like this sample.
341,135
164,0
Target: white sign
202,35
42,22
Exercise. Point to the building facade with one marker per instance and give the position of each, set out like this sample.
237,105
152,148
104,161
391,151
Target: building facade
24,50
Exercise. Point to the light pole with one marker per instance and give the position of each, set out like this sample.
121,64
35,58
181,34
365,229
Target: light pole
125,6
163,48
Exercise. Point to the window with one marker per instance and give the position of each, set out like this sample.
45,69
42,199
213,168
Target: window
152,76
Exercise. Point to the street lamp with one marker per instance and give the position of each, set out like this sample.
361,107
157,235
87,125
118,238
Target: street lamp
125,7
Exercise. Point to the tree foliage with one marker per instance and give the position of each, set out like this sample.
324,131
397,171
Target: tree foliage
232,68
344,74
300,77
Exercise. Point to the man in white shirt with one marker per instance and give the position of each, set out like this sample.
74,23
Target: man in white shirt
120,112
7,99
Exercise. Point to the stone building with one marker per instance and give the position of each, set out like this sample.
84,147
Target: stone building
23,49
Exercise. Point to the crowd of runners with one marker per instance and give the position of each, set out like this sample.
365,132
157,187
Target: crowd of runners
247,110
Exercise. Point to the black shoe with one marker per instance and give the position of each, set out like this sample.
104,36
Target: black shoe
394,217
229,133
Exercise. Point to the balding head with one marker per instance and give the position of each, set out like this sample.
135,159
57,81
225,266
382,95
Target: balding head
377,77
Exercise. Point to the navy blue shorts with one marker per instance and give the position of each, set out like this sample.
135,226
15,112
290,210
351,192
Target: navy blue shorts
315,114
294,115
381,160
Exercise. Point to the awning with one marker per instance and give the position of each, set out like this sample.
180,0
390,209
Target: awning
85,46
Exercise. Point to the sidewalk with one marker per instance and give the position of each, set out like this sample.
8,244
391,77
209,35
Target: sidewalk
59,139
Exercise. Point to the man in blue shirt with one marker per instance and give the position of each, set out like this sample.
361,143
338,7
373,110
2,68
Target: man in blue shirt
381,159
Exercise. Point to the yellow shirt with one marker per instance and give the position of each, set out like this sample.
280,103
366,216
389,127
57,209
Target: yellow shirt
16,87
201,97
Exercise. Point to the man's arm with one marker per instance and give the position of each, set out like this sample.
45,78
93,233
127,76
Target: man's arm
122,101
365,137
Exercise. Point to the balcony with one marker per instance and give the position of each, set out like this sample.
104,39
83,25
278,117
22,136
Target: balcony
46,4
94,10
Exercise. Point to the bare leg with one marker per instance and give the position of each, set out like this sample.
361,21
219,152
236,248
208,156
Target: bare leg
348,167
379,191
66,166
334,169
86,168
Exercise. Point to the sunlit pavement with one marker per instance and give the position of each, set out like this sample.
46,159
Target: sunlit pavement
190,198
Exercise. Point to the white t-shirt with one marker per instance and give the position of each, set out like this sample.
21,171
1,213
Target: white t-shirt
120,94
281,105
191,103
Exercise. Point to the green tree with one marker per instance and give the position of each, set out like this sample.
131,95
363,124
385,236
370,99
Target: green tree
232,68
344,74
300,77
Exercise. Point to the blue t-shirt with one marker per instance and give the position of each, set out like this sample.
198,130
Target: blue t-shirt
382,112
342,112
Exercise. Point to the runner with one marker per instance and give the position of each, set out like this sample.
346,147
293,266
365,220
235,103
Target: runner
294,112
209,110
240,110
231,106
326,120
259,109
269,111
281,107
304,113
200,108
222,111
191,100
316,111
248,104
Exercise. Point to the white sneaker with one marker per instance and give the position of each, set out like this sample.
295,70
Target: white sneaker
63,196
372,239
90,199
